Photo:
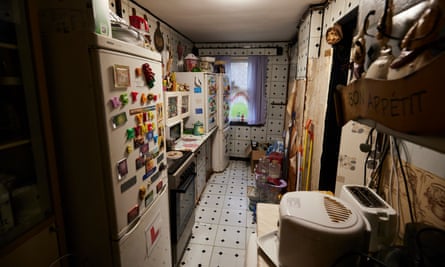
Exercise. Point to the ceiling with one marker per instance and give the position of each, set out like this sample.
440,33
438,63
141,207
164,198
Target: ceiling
231,20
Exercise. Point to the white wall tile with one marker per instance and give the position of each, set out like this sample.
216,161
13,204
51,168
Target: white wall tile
259,134
274,127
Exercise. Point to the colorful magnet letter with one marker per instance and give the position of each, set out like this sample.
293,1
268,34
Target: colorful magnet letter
138,118
124,99
144,128
149,75
115,102
138,72
143,99
134,96
130,133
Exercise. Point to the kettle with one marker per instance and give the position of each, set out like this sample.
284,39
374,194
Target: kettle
198,128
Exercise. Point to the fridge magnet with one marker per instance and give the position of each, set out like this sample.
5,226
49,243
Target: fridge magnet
128,184
197,90
121,76
119,119
138,141
159,110
149,75
144,149
122,168
133,214
124,99
134,96
130,133
149,199
115,102
149,135
140,162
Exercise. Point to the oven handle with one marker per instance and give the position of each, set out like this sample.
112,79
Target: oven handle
184,187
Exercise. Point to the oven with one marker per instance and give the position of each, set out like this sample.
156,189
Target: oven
181,177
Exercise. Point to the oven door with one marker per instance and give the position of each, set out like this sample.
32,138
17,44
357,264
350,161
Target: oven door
183,201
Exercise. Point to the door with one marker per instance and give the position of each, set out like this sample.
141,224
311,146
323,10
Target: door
131,126
212,105
148,244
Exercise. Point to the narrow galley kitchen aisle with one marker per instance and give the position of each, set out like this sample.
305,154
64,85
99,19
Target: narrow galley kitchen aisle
224,222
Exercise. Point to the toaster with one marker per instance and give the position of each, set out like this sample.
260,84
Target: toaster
381,217
312,224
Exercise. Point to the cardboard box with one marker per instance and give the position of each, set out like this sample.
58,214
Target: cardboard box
255,155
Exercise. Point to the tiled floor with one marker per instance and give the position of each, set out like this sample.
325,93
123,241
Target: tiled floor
223,220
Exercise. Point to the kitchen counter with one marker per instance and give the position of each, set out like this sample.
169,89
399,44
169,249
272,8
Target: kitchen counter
267,218
190,142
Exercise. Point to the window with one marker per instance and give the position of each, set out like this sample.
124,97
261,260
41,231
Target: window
239,97
247,97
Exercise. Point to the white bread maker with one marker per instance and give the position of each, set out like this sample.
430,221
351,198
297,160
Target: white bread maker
317,230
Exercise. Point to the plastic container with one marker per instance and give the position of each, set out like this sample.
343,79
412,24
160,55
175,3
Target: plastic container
206,64
270,193
191,62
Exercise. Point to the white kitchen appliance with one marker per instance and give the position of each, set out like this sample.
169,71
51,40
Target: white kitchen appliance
203,106
108,114
316,230
381,217
220,149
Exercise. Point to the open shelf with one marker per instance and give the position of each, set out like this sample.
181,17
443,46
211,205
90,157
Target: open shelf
411,108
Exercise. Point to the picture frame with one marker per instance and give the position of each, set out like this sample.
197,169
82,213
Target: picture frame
121,76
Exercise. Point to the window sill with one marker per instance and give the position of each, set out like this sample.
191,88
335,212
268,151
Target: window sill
243,123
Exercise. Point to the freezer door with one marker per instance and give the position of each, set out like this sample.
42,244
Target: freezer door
148,244
220,150
131,110
223,104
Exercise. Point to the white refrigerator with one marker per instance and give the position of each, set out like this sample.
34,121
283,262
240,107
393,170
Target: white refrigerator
108,113
203,106
220,150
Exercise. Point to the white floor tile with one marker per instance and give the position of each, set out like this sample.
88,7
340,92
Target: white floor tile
237,190
197,255
236,182
217,189
207,214
231,237
235,202
227,257
223,221
218,179
204,233
211,200
233,217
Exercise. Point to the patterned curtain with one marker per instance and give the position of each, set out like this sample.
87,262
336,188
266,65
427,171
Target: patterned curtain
256,87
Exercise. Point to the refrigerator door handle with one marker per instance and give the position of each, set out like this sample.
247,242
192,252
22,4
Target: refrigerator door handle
133,228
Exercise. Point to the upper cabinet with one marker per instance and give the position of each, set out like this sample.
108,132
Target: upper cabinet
178,105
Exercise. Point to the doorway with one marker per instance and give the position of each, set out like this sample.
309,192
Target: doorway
339,75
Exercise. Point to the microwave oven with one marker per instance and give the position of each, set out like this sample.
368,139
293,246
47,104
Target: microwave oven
173,132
